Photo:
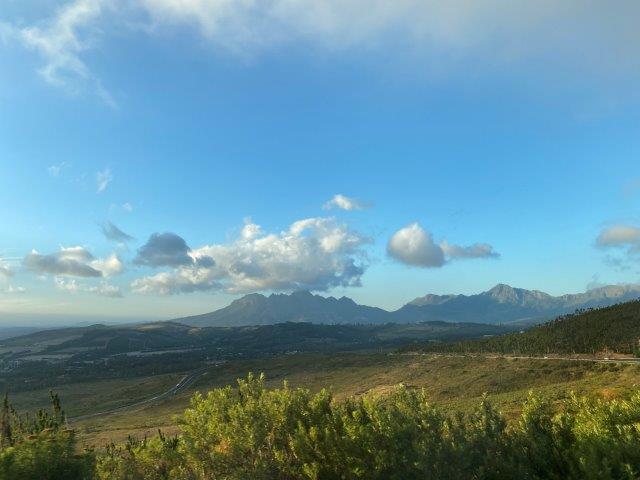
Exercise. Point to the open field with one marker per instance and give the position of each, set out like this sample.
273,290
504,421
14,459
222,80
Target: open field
456,383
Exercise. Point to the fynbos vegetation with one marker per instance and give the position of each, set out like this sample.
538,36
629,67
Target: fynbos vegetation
40,446
286,434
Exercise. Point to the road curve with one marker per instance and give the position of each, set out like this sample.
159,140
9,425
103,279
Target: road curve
184,383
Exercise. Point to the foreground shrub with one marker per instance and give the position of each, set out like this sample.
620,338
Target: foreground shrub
253,432
41,447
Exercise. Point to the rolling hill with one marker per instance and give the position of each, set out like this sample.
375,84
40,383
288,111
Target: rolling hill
612,329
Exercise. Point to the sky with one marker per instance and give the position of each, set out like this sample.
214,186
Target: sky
159,158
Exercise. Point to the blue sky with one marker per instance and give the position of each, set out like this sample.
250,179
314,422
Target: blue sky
472,143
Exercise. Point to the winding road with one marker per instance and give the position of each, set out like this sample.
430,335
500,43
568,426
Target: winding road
184,383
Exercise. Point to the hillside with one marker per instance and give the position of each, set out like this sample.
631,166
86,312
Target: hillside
500,304
98,351
614,329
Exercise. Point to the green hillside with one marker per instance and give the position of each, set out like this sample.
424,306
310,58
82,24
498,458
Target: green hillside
614,329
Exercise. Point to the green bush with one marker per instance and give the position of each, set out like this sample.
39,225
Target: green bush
253,432
283,434
41,447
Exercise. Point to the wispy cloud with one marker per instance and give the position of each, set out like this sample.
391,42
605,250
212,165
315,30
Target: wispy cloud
343,202
622,241
56,170
113,233
5,271
103,179
11,289
60,41
481,31
103,289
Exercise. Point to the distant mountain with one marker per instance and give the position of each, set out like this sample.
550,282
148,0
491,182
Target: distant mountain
505,304
501,304
302,306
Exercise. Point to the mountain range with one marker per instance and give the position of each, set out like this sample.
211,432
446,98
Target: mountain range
500,304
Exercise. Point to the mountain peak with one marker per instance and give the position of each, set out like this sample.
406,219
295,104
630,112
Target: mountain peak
301,294
249,299
501,288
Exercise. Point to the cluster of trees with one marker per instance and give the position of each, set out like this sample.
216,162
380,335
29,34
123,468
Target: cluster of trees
613,329
253,432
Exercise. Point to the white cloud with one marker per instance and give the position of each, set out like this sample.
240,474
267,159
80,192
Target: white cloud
490,33
67,285
56,170
73,286
109,266
103,179
127,207
345,203
106,290
314,253
413,245
5,270
73,262
14,290
60,41
182,280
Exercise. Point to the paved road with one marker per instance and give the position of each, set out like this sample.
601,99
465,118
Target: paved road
182,385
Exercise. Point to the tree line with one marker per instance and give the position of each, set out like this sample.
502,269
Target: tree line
614,329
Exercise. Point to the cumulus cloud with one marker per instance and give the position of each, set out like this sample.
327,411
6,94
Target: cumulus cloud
73,262
344,203
413,245
314,254
182,280
103,179
109,266
60,42
113,233
164,250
